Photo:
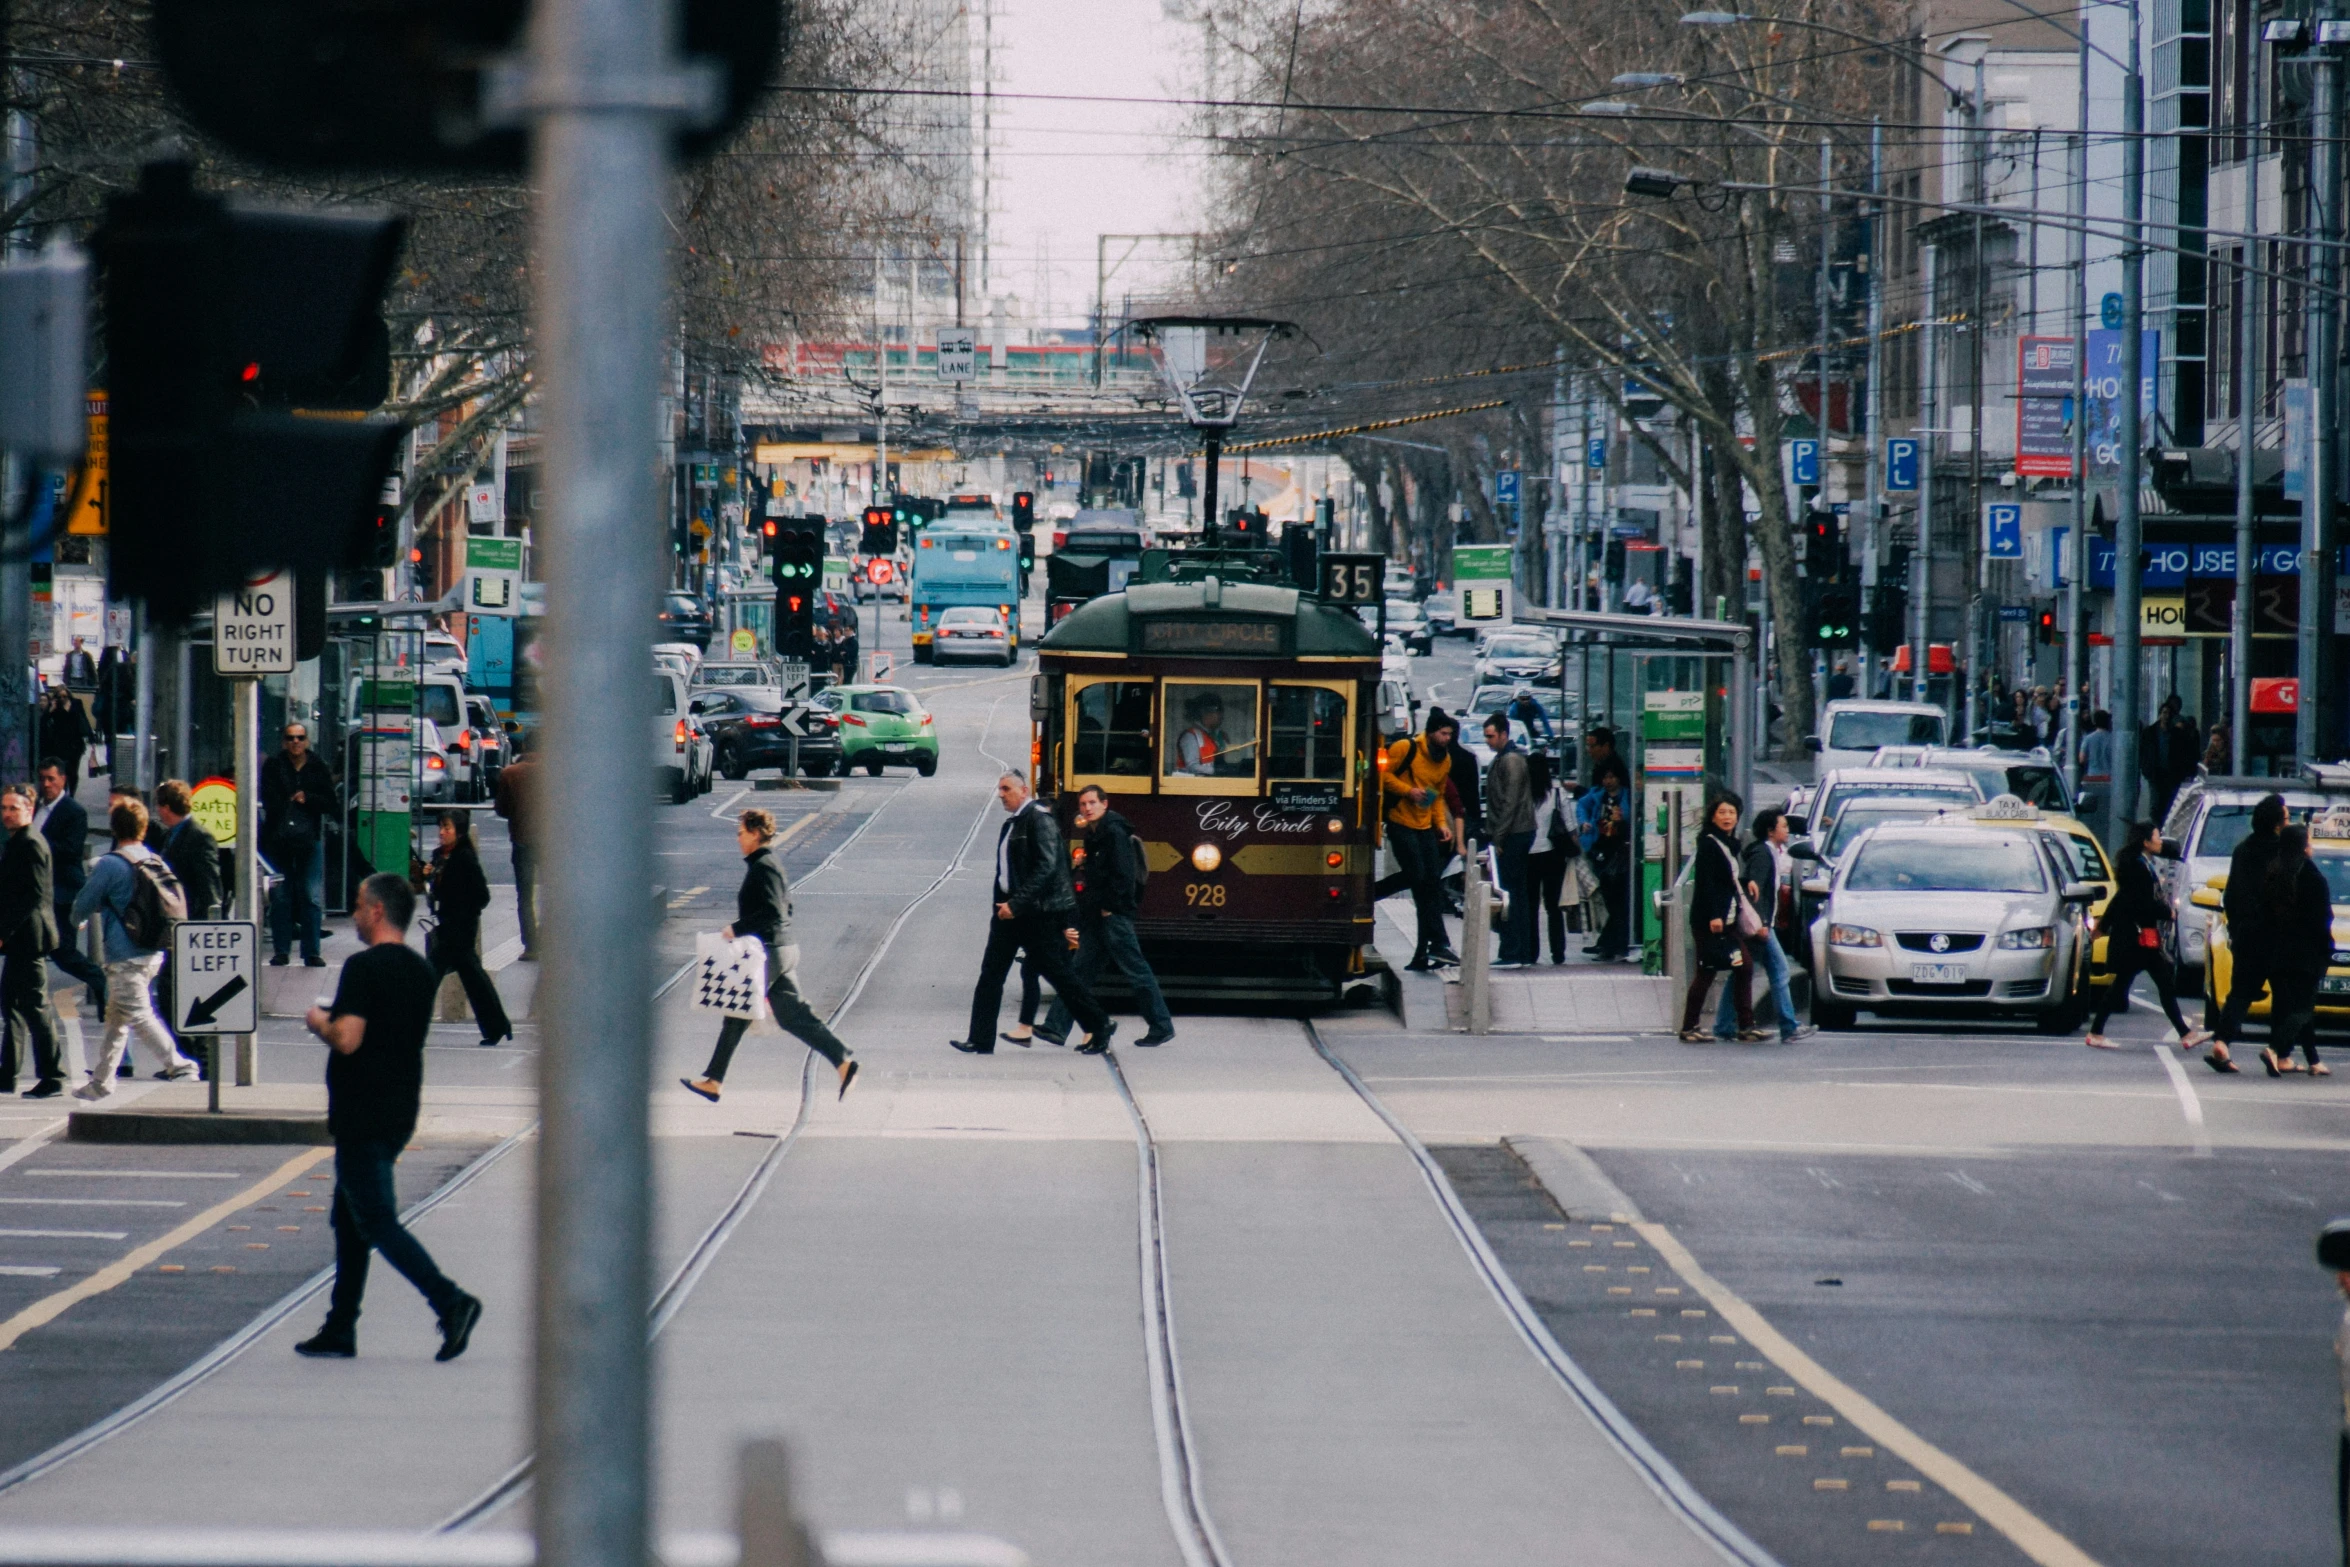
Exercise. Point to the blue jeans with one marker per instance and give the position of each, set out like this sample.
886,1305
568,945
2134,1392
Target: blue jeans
1112,936
526,895
367,1218
1765,951
1515,851
295,902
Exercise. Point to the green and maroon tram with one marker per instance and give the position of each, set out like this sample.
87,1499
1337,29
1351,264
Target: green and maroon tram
1230,718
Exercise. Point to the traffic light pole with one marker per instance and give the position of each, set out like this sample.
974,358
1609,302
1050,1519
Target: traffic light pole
246,715
606,94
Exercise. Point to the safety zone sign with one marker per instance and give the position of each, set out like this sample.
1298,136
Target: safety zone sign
215,983
253,628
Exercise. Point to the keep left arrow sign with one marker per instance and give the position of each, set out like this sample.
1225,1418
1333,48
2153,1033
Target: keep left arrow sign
207,1008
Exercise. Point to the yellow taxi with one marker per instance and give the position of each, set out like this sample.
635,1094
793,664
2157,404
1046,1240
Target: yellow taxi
2071,841
2329,851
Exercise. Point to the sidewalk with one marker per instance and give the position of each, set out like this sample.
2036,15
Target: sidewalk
1576,997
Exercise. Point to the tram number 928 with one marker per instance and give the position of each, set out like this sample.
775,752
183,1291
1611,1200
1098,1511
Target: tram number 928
1203,894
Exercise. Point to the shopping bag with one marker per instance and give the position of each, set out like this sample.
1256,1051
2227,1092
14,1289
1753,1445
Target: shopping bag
733,977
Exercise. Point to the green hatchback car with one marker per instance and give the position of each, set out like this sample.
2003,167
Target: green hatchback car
882,726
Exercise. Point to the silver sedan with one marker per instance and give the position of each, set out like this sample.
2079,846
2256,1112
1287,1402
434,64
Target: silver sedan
1951,918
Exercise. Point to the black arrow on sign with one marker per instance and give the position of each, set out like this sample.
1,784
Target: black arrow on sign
207,1009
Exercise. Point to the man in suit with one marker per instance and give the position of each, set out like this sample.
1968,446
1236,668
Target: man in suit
194,857
2169,750
297,801
1035,911
59,818
28,929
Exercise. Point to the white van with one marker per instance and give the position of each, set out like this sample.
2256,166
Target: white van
682,752
1852,733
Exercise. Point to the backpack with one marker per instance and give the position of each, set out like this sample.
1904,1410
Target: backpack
157,903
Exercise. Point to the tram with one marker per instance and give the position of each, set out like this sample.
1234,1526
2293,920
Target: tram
1230,718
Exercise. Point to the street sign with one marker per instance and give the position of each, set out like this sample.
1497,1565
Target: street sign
958,353
214,805
1901,463
85,514
744,643
1481,578
2003,531
1505,487
253,628
485,503
1595,455
2014,614
2110,312
792,675
493,576
215,977
790,718
1803,458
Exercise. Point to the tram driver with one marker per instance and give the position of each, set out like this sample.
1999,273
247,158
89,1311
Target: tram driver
1202,742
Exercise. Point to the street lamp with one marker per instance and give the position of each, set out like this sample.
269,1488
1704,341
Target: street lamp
1660,183
1648,79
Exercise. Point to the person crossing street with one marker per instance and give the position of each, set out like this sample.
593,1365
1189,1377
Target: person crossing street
2251,932
28,929
2132,927
1107,895
459,894
1420,832
375,1031
762,908
297,801
127,883
1036,913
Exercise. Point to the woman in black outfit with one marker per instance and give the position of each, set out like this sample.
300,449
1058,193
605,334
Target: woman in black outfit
2301,908
2133,939
458,892
762,908
1554,845
1713,922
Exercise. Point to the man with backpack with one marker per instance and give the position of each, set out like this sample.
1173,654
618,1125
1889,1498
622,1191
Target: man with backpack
1109,882
137,900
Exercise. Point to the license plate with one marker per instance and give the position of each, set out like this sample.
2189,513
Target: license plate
1938,973
2334,985
896,745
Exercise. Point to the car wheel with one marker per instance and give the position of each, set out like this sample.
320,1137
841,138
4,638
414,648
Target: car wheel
873,767
927,766
731,766
1833,1016
682,791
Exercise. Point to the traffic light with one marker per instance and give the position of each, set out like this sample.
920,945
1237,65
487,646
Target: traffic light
358,84
239,343
881,531
1888,616
767,526
1023,510
2044,628
796,564
1823,545
1834,618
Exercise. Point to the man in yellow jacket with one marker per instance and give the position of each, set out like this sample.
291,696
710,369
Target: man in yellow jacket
1413,775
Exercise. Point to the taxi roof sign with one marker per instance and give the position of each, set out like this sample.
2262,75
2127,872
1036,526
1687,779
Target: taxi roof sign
2331,825
2005,808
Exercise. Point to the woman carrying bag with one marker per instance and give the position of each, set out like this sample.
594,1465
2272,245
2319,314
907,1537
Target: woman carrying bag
2133,939
458,892
1554,846
1720,918
762,908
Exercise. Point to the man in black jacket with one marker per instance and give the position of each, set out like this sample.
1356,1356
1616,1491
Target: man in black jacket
194,857
297,801
61,820
1106,900
28,929
1035,911
2251,932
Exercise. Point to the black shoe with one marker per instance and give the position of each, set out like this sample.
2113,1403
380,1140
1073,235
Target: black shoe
489,1040
529,955
329,1343
46,1090
971,1049
1157,1036
1419,966
280,960
1444,957
314,962
457,1327
127,1069
1099,1043
1051,1038
1022,1040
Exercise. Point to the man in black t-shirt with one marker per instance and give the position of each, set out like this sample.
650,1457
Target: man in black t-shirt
374,1077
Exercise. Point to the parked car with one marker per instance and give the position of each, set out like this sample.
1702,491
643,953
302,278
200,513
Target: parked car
2208,817
1852,732
882,726
685,618
733,672
972,631
1399,710
2032,777
484,739
746,728
443,651
1405,620
1442,610
682,753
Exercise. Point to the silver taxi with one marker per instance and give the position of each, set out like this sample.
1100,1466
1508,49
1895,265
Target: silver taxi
1965,915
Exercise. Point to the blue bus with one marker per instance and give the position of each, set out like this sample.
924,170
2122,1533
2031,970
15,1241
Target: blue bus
956,564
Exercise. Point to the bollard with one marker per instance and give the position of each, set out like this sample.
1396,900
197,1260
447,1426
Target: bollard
770,1532
1476,945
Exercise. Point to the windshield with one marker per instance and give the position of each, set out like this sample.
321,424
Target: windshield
680,604
2083,855
733,675
1860,817
1867,731
2337,872
1946,862
882,702
1943,796
969,616
1517,647
440,705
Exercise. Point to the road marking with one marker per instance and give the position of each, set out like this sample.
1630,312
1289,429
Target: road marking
727,804
2189,1105
1961,1178
686,897
67,1235
49,1308
142,1175
91,1202
31,1143
2035,1538
28,1273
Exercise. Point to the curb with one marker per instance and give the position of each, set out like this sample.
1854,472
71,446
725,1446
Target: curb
196,1126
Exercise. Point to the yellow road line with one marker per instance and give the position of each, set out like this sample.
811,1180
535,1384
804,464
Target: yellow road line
50,1307
796,828
2000,1510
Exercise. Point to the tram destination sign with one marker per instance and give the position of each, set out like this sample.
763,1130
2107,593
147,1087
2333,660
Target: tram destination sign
1225,638
1318,799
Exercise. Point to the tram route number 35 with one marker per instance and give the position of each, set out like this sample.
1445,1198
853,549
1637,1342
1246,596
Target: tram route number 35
1354,579
1204,894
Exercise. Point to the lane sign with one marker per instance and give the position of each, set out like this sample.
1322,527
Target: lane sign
215,977
253,628
958,353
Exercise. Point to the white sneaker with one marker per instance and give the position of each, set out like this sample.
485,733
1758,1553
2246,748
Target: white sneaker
93,1091
186,1072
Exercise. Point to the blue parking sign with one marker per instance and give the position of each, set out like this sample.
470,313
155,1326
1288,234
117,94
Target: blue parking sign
1901,463
2003,531
1804,459
1505,487
1595,456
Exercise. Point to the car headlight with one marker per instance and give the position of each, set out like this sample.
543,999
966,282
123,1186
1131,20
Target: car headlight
1853,936
2037,936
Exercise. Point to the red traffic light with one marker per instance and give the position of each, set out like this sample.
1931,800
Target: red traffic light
768,527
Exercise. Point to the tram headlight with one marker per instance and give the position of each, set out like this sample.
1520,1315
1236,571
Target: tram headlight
1206,857
1337,824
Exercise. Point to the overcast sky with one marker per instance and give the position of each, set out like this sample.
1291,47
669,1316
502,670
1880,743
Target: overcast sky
1068,172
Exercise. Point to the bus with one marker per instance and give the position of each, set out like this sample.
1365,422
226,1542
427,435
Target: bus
954,564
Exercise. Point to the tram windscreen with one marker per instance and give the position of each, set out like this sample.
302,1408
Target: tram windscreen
1113,729
1308,738
1211,730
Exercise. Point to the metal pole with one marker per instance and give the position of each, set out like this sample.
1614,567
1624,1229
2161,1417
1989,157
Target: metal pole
1872,519
2247,423
143,703
247,719
1741,715
2324,479
2076,599
2129,534
1212,524
1827,260
17,730
606,92
1978,672
1921,559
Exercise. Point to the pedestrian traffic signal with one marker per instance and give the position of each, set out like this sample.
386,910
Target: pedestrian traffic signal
1834,618
419,86
881,531
239,343
2045,628
1023,510
1888,616
796,564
